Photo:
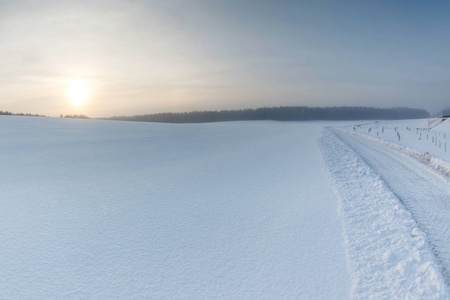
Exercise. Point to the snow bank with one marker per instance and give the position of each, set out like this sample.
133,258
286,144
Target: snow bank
438,164
388,255
425,137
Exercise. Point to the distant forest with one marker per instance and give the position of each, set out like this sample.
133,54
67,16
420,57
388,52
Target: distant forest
283,113
287,113
7,113
446,112
74,116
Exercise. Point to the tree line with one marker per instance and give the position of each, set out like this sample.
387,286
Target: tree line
286,113
282,113
8,113
74,116
445,112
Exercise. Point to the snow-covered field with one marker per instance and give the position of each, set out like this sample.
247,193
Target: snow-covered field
238,210
122,210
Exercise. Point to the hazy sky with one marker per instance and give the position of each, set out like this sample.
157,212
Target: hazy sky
152,56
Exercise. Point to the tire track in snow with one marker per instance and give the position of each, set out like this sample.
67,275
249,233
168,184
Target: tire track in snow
389,256
425,193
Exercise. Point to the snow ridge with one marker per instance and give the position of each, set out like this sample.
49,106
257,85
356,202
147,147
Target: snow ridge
389,256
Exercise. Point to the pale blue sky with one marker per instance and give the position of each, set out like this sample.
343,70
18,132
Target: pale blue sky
153,56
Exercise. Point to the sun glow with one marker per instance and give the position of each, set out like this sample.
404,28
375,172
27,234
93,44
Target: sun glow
78,92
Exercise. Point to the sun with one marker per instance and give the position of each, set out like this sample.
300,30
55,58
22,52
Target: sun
78,92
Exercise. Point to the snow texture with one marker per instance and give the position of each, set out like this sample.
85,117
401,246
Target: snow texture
420,180
389,255
427,137
122,210
238,210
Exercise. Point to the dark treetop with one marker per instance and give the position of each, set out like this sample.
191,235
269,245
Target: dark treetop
287,113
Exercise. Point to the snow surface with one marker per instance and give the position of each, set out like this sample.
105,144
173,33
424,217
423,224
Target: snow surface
122,210
390,256
425,135
421,180
238,210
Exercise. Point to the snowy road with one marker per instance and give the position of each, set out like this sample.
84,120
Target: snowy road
421,190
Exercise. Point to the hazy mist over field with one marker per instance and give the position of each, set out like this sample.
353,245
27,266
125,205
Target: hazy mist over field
135,57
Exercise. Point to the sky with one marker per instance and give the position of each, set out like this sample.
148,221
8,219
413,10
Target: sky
142,57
